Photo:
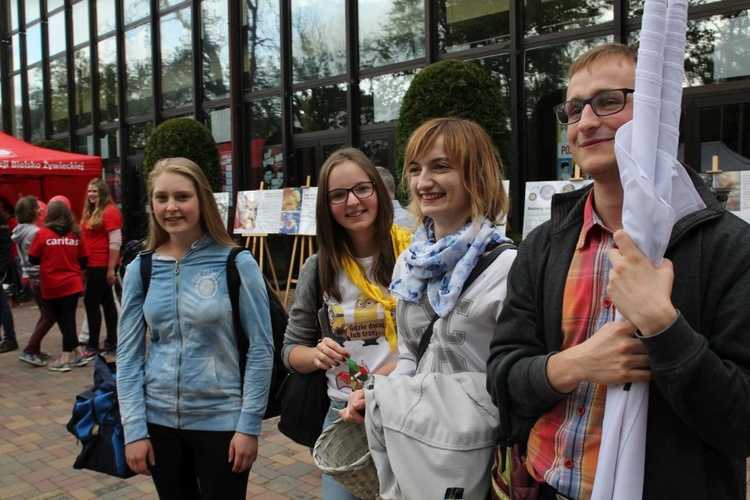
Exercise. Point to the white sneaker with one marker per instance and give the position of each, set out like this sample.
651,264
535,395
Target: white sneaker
59,365
31,359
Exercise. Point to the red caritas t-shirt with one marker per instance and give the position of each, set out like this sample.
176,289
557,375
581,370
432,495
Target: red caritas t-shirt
59,271
97,238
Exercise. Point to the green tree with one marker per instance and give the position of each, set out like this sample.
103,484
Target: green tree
452,88
187,138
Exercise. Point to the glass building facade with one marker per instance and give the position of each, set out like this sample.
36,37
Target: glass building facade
282,83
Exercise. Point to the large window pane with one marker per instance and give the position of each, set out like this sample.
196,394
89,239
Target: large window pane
110,153
33,44
17,103
318,39
13,8
322,108
390,31
263,57
266,151
15,45
545,83
550,16
636,6
219,121
31,11
176,59
108,83
36,103
81,22
380,97
138,68
59,95
137,136
498,67
717,49
134,10
465,24
82,64
215,49
56,33
54,4
166,4
105,16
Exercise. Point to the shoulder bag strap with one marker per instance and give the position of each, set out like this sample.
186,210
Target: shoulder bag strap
481,266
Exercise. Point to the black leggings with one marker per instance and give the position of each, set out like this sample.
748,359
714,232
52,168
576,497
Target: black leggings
64,310
194,464
99,293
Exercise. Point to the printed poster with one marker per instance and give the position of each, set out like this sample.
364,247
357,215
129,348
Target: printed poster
538,200
276,211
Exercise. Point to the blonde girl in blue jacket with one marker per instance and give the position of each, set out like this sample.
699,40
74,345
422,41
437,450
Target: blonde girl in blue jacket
189,421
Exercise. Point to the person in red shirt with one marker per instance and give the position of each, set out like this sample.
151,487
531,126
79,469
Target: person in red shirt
101,223
61,254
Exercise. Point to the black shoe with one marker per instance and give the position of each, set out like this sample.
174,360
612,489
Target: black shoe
8,345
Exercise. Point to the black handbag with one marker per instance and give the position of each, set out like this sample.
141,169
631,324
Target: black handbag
304,398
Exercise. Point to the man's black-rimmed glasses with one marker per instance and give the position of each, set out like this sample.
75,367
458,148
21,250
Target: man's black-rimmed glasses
604,103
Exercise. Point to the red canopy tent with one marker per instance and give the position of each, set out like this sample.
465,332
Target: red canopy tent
30,170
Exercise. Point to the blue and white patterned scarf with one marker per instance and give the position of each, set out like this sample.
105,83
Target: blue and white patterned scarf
441,267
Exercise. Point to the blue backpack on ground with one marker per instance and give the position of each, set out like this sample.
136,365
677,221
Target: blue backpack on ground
97,426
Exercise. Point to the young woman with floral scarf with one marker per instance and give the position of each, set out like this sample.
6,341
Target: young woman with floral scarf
431,424
357,249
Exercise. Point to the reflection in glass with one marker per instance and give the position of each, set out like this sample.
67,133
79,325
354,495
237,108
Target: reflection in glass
138,68
109,144
717,49
219,122
56,33
215,49
82,65
58,95
13,15
466,24
135,9
53,4
176,59
263,56
85,144
108,83
390,31
725,132
33,44
15,43
17,103
377,151
545,82
31,10
165,4
380,97
80,23
266,151
498,67
318,39
137,136
322,108
552,16
636,6
36,103
105,16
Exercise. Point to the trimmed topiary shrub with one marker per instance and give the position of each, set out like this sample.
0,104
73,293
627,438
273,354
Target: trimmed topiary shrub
452,88
52,144
187,138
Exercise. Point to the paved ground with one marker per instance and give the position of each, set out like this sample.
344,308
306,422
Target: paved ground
37,453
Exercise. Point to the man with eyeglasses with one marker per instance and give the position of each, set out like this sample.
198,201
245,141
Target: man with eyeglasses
556,348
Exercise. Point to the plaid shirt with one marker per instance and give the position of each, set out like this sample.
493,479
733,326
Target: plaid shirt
563,446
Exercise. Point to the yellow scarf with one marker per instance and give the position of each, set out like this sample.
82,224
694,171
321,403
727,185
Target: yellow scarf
401,239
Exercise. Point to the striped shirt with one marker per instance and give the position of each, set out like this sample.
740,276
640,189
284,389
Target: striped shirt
563,446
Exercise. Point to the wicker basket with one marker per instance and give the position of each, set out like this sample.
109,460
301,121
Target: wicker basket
342,452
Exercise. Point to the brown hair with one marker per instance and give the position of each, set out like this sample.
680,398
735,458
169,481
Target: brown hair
210,217
94,212
601,52
333,240
60,219
27,210
470,149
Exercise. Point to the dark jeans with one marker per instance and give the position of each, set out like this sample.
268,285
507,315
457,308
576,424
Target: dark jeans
99,294
194,464
44,324
9,327
64,310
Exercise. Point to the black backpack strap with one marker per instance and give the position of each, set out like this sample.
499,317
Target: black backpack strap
146,263
233,284
479,268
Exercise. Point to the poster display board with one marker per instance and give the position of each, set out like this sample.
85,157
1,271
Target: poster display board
538,200
276,211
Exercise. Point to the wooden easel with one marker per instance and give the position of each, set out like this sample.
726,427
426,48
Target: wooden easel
303,242
576,174
259,243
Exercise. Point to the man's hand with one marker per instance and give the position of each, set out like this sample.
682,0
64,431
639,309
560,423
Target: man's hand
640,291
243,450
613,355
355,409
139,455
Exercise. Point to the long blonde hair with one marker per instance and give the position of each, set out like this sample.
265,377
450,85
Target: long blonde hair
93,212
210,217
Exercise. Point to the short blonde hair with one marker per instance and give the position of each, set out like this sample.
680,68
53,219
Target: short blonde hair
601,52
